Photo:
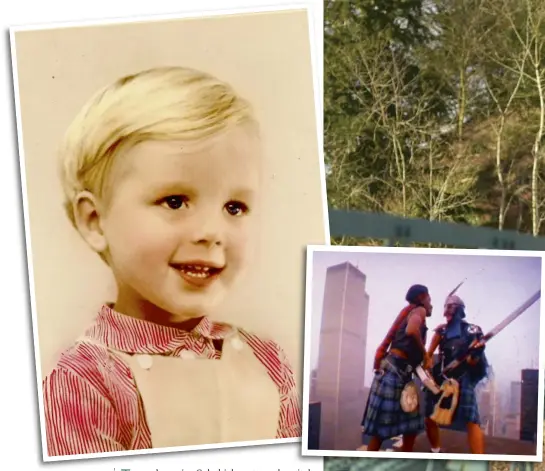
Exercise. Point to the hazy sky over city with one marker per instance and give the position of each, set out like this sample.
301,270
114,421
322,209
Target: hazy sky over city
496,286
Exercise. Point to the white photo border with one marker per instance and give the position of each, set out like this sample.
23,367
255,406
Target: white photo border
314,17
312,249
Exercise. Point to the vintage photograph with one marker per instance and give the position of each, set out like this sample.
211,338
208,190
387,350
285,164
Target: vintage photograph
172,179
423,353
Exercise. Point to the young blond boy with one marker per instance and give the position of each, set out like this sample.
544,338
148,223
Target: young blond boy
161,178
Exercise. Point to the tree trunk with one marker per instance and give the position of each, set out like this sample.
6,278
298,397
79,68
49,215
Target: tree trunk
536,151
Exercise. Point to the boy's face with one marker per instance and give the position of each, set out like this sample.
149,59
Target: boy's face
178,223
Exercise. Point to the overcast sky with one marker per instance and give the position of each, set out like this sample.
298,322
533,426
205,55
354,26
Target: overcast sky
496,286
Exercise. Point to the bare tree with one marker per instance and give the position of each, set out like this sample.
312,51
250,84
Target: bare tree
395,113
498,128
525,21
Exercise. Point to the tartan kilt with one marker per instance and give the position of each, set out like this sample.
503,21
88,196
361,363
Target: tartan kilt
384,417
467,410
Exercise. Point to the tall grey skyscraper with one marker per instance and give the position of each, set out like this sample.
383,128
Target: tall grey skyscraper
340,371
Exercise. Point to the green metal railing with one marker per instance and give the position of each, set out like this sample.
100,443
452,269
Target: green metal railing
392,229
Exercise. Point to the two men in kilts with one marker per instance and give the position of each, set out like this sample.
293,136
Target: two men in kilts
453,337
401,351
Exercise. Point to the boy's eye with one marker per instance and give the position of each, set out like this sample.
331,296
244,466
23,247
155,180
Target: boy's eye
236,208
175,201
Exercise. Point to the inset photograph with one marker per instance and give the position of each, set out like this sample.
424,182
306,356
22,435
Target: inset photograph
423,353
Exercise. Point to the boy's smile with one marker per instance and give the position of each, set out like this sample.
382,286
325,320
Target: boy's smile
198,273
178,222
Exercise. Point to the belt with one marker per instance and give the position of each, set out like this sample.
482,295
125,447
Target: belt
400,364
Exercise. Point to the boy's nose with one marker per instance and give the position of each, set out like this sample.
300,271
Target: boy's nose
208,230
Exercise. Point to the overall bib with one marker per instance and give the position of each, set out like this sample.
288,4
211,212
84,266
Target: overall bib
195,401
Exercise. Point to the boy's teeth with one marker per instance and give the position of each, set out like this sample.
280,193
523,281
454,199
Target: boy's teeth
197,271
196,268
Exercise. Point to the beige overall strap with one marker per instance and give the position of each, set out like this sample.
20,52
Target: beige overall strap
251,399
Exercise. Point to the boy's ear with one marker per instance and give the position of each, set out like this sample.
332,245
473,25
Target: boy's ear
87,218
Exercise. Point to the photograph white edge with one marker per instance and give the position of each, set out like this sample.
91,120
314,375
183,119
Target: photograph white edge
311,249
317,73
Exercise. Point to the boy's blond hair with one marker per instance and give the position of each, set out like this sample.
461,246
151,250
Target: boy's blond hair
167,103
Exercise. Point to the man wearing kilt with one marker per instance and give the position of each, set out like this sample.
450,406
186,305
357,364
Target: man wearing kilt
453,338
400,352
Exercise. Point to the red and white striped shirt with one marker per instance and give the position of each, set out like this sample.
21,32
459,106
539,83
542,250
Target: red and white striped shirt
91,401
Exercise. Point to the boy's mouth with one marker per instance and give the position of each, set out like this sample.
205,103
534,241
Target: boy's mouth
198,273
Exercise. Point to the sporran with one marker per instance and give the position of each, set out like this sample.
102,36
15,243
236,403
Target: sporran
409,398
445,408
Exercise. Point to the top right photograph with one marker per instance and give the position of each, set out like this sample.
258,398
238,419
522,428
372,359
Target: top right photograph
434,124
434,118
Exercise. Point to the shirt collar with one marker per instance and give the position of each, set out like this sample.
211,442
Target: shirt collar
132,335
